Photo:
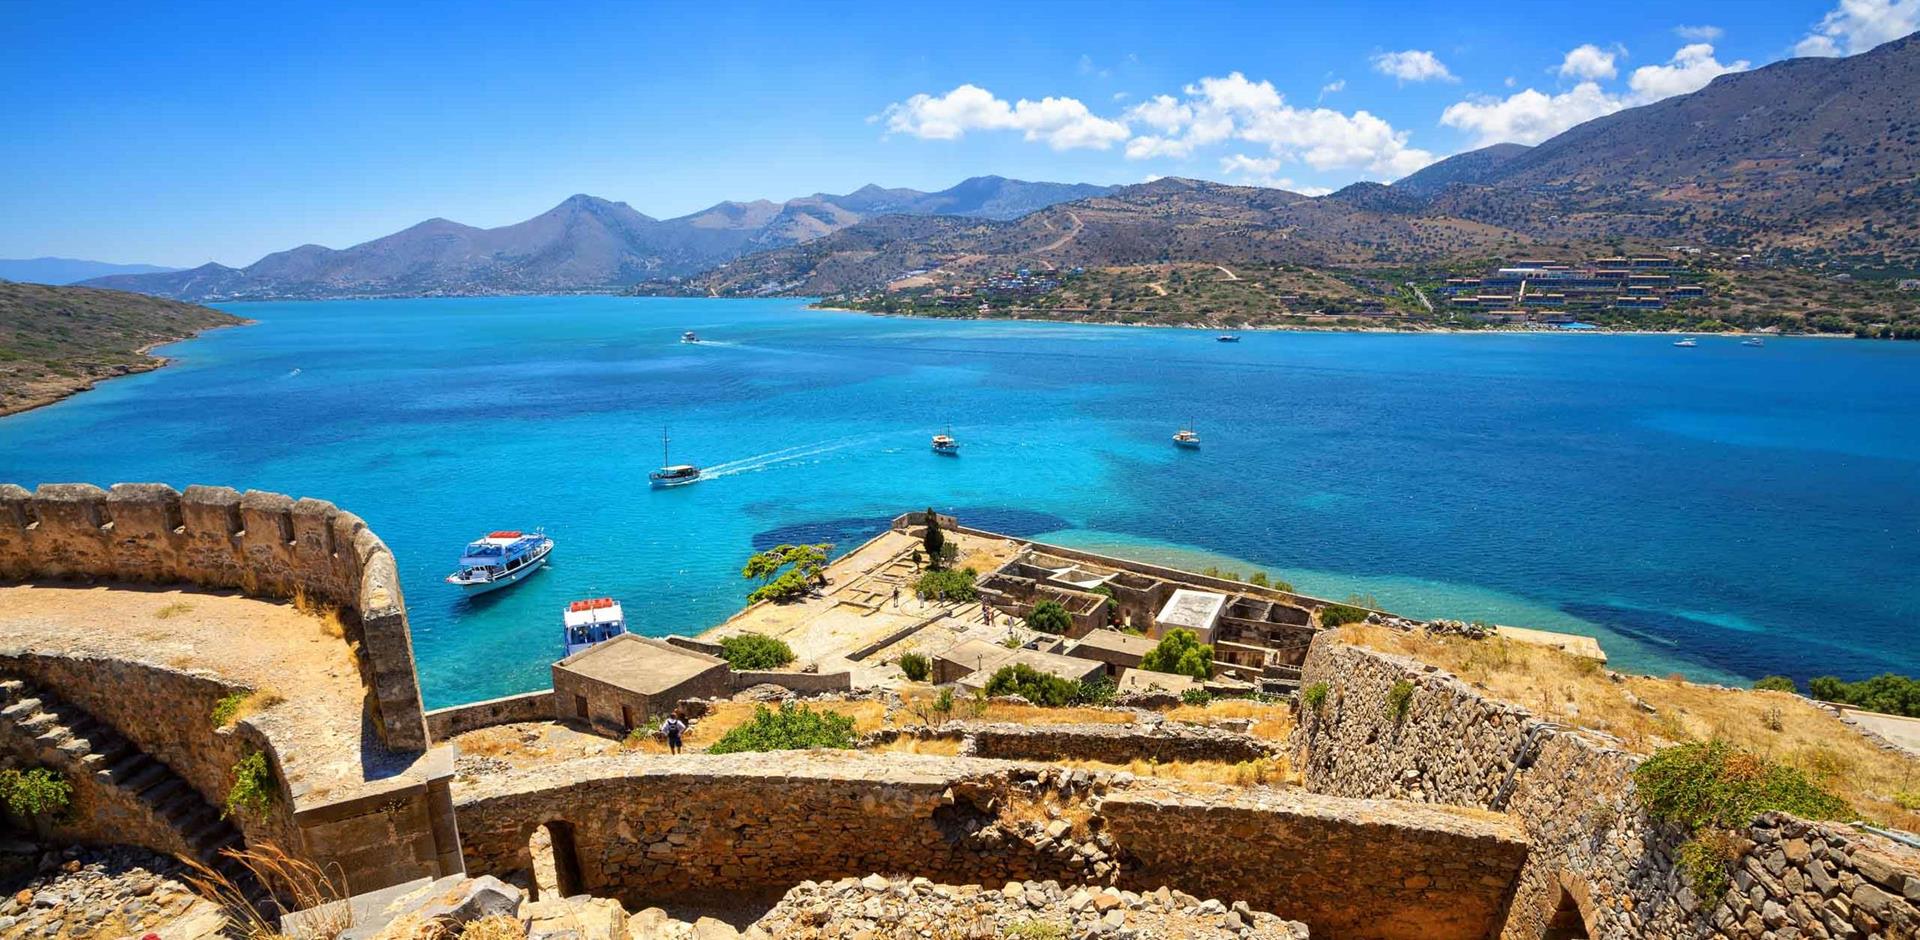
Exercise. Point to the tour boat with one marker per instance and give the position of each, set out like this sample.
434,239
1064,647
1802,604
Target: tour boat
1689,341
1753,341
672,474
689,337
1227,338
591,621
945,444
1186,437
500,559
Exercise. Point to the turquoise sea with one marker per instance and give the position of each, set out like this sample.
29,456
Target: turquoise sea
1722,511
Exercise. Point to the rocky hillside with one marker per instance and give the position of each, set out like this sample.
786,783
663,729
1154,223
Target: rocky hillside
55,341
583,244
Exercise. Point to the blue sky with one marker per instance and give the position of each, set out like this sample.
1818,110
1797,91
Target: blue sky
185,133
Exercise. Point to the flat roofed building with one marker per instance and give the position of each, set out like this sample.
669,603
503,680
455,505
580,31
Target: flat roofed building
1192,610
1141,680
972,663
617,685
1118,650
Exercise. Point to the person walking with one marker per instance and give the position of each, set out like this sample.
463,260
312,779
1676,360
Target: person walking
674,726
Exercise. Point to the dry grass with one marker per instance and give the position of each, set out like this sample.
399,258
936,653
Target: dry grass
1577,691
1272,771
939,747
175,609
494,927
235,707
301,882
327,614
1272,721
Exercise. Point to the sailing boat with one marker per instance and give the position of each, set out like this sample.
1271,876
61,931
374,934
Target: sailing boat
945,444
672,474
1187,437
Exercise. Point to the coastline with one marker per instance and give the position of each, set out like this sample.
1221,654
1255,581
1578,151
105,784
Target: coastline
59,391
1328,328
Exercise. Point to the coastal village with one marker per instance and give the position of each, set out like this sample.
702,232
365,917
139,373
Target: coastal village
944,731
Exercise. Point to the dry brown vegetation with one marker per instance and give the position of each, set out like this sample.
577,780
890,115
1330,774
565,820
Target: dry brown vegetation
1271,720
1272,771
1645,713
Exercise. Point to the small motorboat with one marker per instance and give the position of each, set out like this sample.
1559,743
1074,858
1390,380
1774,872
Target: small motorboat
500,559
1753,341
1227,338
689,337
1688,342
672,474
591,621
1186,437
945,444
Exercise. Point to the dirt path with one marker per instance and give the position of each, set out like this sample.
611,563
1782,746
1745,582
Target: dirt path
1230,275
1158,288
1067,239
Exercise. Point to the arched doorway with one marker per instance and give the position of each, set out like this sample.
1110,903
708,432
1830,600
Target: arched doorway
1568,923
556,861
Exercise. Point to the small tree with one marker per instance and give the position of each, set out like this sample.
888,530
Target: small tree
1033,685
1049,617
1336,615
755,651
794,727
1776,684
1180,653
934,541
787,572
916,667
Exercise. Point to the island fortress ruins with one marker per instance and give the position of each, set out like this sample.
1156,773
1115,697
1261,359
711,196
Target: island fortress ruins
1434,812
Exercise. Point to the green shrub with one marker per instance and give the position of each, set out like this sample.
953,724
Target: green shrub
916,666
1049,617
228,707
253,788
947,584
793,727
934,541
786,572
1889,693
35,791
1033,685
1180,653
755,651
1195,696
1400,699
1337,615
1098,690
1314,696
1714,785
1776,684
1706,860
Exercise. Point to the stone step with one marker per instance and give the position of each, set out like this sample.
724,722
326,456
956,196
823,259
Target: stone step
21,708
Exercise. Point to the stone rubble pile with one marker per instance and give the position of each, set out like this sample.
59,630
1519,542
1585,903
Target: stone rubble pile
878,908
109,892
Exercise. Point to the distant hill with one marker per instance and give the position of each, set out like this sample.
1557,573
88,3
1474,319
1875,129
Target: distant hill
1816,160
55,341
583,244
67,270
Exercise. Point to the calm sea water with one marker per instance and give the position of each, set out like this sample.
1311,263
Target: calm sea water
1721,511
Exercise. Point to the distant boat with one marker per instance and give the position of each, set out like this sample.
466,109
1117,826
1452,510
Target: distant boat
672,474
501,558
592,621
1753,341
689,337
945,444
1227,338
1689,341
1187,437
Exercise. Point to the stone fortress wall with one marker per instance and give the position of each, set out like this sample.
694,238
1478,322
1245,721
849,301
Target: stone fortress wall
395,825
1597,858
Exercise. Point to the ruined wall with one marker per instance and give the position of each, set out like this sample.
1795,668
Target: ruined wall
390,831
1595,851
1113,744
444,724
263,544
1349,868
659,828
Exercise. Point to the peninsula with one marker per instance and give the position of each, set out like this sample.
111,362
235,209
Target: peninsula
56,341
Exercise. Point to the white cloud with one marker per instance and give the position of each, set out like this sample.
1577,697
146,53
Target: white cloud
1858,25
1162,112
1690,70
1412,65
1701,33
1235,107
1531,116
1333,87
1063,123
1588,63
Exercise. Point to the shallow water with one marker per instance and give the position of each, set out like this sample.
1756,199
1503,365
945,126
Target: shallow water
1721,511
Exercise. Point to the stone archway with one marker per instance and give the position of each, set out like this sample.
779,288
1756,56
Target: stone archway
555,861
1569,921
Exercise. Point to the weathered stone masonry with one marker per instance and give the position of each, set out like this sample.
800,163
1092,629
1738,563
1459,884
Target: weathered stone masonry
1596,855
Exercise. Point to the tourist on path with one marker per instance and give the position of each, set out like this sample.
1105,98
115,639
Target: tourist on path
674,727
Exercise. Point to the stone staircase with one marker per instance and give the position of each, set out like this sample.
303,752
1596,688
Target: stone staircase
71,740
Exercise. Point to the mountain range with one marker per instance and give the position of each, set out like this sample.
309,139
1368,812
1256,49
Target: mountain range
583,244
1809,161
67,270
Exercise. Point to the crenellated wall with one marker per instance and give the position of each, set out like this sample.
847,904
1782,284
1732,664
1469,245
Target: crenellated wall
263,544
1598,858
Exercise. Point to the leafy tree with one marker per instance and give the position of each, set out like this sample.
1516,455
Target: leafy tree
916,666
793,727
935,541
1180,653
34,791
947,585
1049,617
786,572
1336,615
1887,692
1776,684
1033,685
755,651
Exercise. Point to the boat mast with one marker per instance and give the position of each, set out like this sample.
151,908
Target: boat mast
663,446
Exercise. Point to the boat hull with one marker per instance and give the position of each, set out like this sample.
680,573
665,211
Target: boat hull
515,576
661,483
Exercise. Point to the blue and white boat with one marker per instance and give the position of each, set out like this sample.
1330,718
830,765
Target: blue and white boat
946,445
500,559
591,621
672,474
